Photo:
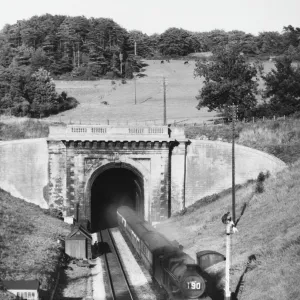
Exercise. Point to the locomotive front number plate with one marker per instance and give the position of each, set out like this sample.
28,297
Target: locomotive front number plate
193,285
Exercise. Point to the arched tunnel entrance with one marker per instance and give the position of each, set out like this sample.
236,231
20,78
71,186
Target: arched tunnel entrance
113,188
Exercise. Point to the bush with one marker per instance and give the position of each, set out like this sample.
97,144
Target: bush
54,212
31,94
78,71
259,188
109,75
296,115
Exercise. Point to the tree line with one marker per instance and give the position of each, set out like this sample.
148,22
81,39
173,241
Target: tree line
91,47
230,80
34,51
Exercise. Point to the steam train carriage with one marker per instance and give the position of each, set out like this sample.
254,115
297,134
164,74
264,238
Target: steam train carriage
173,269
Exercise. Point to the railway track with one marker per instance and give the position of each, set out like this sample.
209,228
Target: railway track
118,282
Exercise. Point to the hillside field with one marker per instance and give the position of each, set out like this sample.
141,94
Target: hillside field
269,225
182,88
28,242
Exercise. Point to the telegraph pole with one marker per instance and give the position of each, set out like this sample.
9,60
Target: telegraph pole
165,101
78,54
227,263
230,228
135,48
134,89
121,59
226,219
233,107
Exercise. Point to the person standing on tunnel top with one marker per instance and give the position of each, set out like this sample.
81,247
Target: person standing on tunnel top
95,247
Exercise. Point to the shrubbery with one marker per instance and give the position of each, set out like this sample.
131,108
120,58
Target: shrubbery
27,93
259,188
54,212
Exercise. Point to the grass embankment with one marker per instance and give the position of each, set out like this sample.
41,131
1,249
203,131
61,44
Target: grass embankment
28,242
12,128
268,229
280,138
269,222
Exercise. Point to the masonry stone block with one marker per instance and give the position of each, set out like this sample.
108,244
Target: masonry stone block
57,175
178,162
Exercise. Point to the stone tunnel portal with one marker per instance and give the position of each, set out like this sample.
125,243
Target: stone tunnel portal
113,188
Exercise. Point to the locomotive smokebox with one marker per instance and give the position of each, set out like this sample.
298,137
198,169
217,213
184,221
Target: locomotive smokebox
207,258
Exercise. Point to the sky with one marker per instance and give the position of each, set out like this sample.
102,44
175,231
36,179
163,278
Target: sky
155,16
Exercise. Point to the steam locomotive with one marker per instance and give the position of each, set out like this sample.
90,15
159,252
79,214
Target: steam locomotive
173,269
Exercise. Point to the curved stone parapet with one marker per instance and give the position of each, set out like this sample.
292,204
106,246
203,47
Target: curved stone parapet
209,167
24,169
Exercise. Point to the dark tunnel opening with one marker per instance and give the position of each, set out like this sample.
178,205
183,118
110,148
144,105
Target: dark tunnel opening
113,188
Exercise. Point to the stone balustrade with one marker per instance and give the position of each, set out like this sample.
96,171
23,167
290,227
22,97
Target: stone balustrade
97,132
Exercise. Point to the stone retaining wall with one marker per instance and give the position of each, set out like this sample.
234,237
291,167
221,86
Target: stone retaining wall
209,167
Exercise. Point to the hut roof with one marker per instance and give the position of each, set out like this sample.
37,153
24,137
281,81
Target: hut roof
83,233
21,284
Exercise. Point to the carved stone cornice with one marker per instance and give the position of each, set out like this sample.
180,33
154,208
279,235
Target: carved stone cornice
117,145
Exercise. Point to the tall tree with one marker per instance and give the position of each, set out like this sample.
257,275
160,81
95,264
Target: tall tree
270,42
292,35
283,87
228,79
175,42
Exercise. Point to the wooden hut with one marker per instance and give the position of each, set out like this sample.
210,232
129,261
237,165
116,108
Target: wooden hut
23,289
78,243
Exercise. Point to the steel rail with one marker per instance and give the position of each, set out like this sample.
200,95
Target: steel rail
121,264
108,270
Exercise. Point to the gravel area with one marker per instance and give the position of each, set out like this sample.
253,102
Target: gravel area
134,272
74,283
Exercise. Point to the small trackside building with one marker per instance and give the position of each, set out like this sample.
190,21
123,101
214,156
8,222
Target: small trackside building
78,243
23,289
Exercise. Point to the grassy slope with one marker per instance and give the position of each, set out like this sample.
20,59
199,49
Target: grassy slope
182,88
181,91
269,229
28,243
12,128
270,225
280,138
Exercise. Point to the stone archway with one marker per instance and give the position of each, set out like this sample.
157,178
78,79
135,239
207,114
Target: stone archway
141,181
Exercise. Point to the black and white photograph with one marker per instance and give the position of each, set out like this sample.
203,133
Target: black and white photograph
150,150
